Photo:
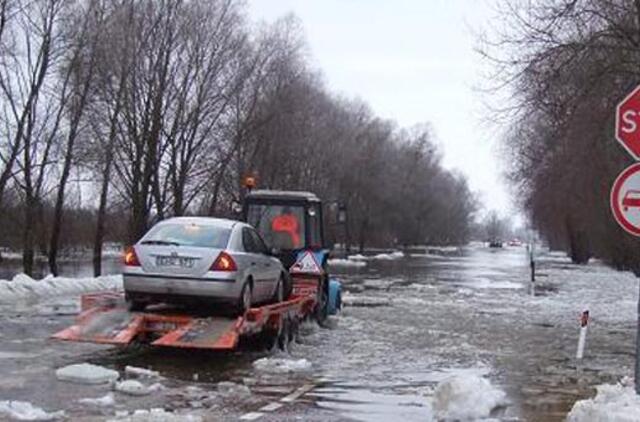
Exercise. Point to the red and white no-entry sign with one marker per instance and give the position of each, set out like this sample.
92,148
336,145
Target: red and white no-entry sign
625,199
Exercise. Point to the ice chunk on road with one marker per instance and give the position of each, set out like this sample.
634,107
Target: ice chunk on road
282,366
132,387
231,389
86,373
339,262
140,372
465,398
155,415
25,411
104,401
612,403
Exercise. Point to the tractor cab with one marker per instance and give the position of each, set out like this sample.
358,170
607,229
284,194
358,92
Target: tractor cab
289,221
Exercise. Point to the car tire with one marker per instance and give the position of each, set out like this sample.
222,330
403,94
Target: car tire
245,299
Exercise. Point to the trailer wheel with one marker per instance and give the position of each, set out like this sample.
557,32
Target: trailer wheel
321,311
284,337
278,296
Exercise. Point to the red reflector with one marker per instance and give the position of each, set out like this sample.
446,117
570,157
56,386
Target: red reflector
224,262
130,257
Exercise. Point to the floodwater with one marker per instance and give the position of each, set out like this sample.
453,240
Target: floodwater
412,323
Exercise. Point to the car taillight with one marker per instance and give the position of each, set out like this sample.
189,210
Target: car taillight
130,257
224,262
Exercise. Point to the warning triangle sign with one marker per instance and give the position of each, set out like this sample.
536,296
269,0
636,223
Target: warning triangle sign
306,264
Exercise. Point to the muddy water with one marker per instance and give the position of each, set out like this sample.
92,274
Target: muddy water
434,317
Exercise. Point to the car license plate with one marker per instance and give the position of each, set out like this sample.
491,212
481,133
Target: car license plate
174,261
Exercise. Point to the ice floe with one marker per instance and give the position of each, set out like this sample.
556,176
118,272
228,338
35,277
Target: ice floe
104,401
154,415
25,411
281,365
86,373
466,398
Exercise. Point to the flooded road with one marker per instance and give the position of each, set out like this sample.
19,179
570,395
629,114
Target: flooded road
408,324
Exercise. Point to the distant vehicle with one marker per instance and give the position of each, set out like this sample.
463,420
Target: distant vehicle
495,243
198,259
631,200
515,242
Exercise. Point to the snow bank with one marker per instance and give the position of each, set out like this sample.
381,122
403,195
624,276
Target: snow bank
104,401
155,415
282,366
339,262
612,403
86,373
24,287
466,398
25,411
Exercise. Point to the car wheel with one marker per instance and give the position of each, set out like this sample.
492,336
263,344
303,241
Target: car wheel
244,301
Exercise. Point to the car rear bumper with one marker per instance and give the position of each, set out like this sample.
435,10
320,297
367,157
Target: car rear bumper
155,286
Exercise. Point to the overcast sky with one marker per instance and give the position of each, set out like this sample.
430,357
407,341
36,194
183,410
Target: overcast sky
413,61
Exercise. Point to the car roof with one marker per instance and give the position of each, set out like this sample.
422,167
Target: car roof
283,194
204,221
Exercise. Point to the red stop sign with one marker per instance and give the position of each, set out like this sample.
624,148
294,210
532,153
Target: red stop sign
628,123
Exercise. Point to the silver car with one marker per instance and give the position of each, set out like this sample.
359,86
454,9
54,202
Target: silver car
199,259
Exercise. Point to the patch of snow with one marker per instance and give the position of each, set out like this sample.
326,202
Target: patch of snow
104,401
154,415
466,398
612,403
140,372
338,262
132,387
229,389
24,287
357,257
282,366
86,373
25,411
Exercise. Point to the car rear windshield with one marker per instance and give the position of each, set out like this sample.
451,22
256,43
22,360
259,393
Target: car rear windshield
188,234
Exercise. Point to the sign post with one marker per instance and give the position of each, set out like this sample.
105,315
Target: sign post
625,193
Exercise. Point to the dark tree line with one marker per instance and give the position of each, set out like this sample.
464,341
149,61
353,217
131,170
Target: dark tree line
566,64
149,109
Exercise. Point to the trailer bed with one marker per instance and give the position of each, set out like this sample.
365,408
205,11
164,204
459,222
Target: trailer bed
105,319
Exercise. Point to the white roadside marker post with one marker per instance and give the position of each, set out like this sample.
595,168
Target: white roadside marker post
584,321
